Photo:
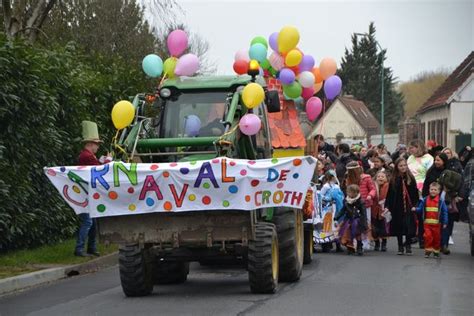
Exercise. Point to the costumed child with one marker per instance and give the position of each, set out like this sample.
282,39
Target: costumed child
434,212
331,193
378,212
355,220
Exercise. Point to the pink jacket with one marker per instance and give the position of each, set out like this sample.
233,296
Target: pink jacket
367,188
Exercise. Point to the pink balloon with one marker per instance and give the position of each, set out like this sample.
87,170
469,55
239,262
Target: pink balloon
187,65
314,106
177,42
250,124
307,93
277,61
242,54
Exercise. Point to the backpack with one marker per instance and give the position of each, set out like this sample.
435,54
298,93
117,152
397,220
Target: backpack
450,180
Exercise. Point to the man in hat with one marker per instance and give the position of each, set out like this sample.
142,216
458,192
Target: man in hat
87,230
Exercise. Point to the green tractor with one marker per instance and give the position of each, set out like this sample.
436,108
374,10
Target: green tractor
191,119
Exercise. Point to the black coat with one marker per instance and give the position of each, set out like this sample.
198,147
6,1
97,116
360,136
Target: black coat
353,211
341,163
403,220
432,175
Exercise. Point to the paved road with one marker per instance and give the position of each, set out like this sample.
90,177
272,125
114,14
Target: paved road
335,284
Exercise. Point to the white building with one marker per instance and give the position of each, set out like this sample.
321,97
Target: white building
446,117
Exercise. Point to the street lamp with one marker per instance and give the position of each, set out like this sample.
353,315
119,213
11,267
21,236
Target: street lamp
382,120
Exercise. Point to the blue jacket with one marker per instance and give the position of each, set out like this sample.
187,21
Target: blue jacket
442,210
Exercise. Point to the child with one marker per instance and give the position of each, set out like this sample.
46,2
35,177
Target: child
355,220
379,225
434,212
332,193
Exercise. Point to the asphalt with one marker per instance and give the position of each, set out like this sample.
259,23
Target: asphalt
334,284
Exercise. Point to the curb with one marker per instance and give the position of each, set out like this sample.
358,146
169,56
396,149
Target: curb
27,280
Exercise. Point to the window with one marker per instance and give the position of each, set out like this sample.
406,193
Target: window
423,132
437,131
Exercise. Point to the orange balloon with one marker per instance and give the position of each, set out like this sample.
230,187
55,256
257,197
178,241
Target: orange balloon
327,67
317,87
317,75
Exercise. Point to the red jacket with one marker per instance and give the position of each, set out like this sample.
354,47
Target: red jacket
87,158
367,188
378,209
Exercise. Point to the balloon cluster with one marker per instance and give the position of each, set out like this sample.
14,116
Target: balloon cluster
186,65
295,70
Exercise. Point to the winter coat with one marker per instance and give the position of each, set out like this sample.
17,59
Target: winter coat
381,196
442,210
341,163
365,164
432,175
353,211
403,219
367,188
419,166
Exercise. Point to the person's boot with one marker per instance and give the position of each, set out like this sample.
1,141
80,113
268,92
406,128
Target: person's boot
421,243
445,251
360,251
384,245
93,253
408,249
401,251
81,254
338,247
427,254
377,245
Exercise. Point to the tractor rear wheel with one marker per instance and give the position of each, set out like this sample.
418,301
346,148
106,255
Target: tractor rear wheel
308,245
135,271
263,259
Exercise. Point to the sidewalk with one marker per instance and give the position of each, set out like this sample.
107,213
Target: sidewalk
23,281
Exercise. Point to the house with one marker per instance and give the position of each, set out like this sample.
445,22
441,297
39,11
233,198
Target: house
349,118
447,116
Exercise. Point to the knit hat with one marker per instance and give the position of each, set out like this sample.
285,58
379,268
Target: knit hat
90,132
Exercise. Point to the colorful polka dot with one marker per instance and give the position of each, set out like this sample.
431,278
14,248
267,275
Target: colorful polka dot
101,208
76,189
232,163
184,170
254,183
81,167
132,207
173,164
51,172
247,198
280,185
166,174
274,160
233,189
243,172
297,162
296,176
215,161
206,200
192,197
154,167
96,196
192,163
206,185
168,206
150,202
251,162
62,169
131,190
225,203
113,195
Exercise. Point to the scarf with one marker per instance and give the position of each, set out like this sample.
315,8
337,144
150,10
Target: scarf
352,200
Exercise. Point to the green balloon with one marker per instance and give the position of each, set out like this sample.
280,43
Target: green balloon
272,71
265,64
293,90
169,66
261,40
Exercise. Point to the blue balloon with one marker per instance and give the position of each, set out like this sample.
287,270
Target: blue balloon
192,125
286,76
258,52
152,65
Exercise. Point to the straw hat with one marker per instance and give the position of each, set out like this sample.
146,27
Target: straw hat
90,132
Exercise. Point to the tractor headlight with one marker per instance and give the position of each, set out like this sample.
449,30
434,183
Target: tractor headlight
165,93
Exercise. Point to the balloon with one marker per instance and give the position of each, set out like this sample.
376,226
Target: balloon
314,106
273,41
177,42
288,38
332,87
261,40
192,125
272,71
258,52
286,76
241,67
293,90
169,66
253,95
187,65
307,93
317,87
307,63
242,54
265,64
317,75
152,65
276,60
123,113
250,124
327,67
306,79
293,58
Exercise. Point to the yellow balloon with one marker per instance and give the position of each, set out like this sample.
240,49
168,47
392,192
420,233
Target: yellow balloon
123,114
253,95
288,38
169,66
293,58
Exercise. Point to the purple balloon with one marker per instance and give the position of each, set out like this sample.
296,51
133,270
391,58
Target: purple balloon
286,76
332,87
307,63
187,65
192,125
273,41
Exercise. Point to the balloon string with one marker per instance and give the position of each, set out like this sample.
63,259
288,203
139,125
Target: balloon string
161,81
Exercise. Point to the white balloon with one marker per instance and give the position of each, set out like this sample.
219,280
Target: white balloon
306,79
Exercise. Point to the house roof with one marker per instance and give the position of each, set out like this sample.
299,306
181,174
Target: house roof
450,85
360,112
285,127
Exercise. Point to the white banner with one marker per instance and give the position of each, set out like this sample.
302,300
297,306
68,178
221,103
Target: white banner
129,188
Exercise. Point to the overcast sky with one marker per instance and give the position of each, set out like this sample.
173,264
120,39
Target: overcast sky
418,35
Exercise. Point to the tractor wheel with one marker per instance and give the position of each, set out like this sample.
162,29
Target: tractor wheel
263,259
289,226
308,245
170,272
135,271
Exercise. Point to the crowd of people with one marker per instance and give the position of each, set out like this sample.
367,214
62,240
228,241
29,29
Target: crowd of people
415,194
